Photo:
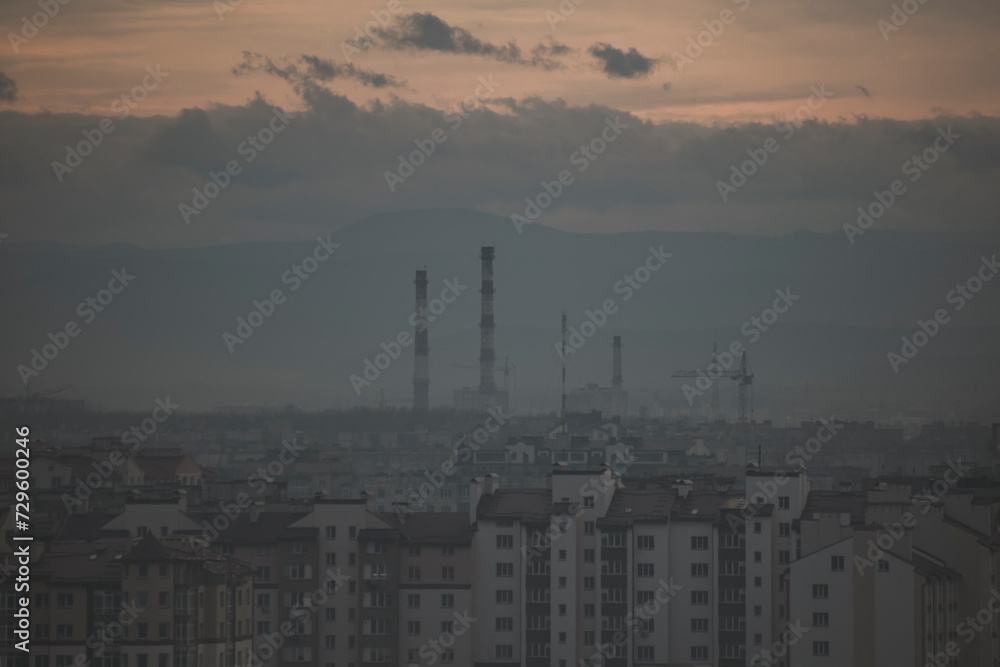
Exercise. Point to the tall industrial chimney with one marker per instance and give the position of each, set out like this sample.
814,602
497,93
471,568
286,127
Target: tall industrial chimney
616,364
421,367
486,353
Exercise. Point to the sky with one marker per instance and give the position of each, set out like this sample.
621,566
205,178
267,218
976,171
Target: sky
857,89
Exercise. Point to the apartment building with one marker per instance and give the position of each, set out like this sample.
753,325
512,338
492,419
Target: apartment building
120,601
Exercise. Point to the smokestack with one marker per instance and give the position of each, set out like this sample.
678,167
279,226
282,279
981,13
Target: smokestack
486,353
616,364
421,367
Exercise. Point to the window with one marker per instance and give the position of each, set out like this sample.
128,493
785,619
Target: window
699,653
164,569
330,613
413,573
447,551
644,653
783,503
758,639
588,527
413,551
64,631
836,563
298,571
699,569
505,541
42,600
331,559
821,648
699,625
504,651
756,527
376,548
588,610
164,630
588,502
413,627
299,547
562,554
820,591
644,570
758,610
64,600
331,532
352,532
505,624
821,620
883,566
783,557
163,599
562,610
588,555
352,559
757,582
756,557
505,569
588,583
330,641
447,601
505,596
562,582
699,543
413,601
613,539
448,573
645,542
143,571
264,571
784,529
699,597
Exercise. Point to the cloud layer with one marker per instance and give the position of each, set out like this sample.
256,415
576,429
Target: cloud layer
328,168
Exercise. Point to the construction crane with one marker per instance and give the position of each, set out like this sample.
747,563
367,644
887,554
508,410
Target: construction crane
743,378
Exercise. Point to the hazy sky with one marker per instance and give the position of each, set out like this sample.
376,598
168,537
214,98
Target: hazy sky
558,75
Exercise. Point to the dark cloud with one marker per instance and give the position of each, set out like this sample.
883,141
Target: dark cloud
327,169
619,64
864,91
306,71
427,32
546,54
8,88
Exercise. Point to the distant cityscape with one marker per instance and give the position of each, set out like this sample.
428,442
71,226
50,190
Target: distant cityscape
391,536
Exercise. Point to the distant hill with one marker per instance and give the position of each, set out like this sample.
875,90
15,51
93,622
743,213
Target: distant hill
164,333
